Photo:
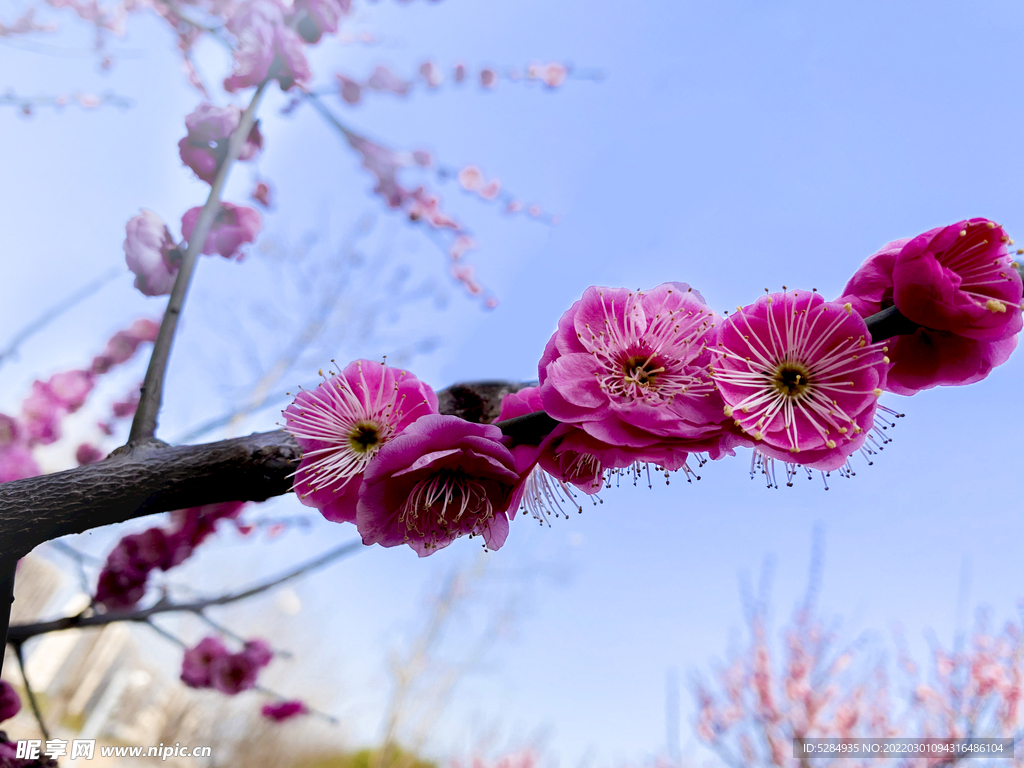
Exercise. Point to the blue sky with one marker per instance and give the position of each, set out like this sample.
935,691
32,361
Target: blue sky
735,146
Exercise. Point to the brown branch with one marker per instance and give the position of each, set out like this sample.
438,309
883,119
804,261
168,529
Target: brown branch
152,478
144,423
19,633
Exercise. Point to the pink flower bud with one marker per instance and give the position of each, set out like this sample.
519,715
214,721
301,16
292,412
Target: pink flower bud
151,254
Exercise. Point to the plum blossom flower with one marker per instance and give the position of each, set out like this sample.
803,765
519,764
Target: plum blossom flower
929,356
440,479
16,463
631,369
320,17
283,710
961,279
267,47
10,703
344,423
197,662
800,376
234,226
261,193
151,253
87,453
122,345
209,132
233,673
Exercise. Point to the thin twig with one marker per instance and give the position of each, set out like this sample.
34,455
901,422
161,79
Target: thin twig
144,424
7,571
22,632
57,310
31,694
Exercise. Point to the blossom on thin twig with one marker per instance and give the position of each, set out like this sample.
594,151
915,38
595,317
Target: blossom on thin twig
209,132
151,253
234,226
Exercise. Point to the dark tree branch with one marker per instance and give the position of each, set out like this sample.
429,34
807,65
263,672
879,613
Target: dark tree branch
144,423
888,323
7,569
19,633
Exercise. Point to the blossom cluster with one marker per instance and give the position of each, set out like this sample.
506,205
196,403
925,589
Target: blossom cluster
52,400
122,582
635,378
210,665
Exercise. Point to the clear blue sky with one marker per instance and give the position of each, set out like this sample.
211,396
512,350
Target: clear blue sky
734,146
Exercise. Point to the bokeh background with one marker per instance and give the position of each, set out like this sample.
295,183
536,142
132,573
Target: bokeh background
735,146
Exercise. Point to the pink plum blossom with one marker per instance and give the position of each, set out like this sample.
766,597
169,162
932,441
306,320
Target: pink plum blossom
927,357
631,370
71,388
343,423
197,662
351,90
800,376
122,345
319,17
383,79
209,132
151,254
87,453
267,47
440,479
233,673
259,652
41,414
234,226
16,463
961,279
261,193
10,703
283,710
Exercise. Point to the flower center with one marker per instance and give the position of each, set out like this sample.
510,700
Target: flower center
641,371
437,505
364,437
791,380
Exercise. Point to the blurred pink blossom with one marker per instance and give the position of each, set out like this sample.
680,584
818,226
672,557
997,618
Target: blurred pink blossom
151,253
234,226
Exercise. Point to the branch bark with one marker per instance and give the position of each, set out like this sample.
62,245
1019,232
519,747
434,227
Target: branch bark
144,424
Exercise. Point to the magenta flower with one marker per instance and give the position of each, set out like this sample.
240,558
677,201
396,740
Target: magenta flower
151,253
343,423
10,703
440,479
122,345
258,652
71,388
234,226
197,663
960,279
196,524
87,453
267,47
800,376
631,369
209,132
16,463
320,17
41,414
930,357
233,673
283,710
